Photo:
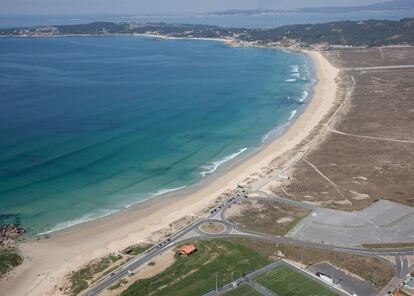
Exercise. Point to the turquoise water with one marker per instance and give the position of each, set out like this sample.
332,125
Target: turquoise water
92,125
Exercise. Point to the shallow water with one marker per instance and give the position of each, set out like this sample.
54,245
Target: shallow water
91,125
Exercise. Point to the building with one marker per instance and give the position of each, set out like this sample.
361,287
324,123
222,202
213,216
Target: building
187,250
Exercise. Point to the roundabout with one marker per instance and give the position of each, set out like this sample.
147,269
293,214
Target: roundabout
213,227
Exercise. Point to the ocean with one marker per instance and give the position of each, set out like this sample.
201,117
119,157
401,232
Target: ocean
254,21
92,125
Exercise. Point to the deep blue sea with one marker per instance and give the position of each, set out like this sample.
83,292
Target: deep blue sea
92,125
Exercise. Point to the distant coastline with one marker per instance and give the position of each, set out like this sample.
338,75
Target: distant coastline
342,33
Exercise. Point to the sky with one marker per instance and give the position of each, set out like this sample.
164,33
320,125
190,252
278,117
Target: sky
48,7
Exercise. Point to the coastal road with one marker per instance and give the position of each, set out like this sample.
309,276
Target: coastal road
217,215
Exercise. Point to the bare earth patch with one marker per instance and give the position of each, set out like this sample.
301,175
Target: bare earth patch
368,152
156,266
212,227
265,216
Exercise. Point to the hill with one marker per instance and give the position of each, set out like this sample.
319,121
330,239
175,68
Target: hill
347,33
396,5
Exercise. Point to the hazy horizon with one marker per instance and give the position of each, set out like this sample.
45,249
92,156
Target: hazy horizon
107,7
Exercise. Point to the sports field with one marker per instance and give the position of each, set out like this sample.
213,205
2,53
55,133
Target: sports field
243,290
286,281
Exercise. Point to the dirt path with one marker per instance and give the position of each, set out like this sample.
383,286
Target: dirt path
372,138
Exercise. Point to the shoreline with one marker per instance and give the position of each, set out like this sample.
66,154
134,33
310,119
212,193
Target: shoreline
208,177
49,260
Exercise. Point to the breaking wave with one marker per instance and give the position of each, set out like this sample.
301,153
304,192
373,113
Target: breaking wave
213,166
294,68
292,114
86,218
304,96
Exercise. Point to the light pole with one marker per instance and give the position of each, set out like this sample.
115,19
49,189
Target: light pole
301,260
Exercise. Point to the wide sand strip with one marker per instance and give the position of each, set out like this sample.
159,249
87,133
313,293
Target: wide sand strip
48,261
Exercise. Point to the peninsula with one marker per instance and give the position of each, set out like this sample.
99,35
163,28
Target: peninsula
344,33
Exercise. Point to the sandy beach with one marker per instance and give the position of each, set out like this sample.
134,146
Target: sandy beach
47,261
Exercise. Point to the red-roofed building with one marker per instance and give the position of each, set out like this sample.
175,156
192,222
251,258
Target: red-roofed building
187,250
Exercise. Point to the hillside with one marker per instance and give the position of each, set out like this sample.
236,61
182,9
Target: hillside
352,33
347,33
396,5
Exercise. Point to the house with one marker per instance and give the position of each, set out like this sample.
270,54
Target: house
187,250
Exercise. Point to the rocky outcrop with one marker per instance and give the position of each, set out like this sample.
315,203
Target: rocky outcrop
10,234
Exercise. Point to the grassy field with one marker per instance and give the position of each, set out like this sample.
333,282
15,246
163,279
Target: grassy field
9,259
287,281
243,290
195,275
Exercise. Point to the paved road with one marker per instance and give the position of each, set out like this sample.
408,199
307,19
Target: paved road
192,232
344,280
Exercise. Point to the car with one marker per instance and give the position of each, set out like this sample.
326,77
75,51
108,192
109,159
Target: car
112,273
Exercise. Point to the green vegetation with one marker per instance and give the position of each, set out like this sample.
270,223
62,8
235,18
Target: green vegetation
355,33
284,280
118,284
9,258
243,290
389,245
350,33
81,279
195,275
136,250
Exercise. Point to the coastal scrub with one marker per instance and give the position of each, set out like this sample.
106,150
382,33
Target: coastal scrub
9,258
196,274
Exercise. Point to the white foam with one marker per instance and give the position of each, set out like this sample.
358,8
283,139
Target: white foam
292,114
211,168
297,75
265,137
291,80
103,213
294,68
304,96
167,190
86,218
